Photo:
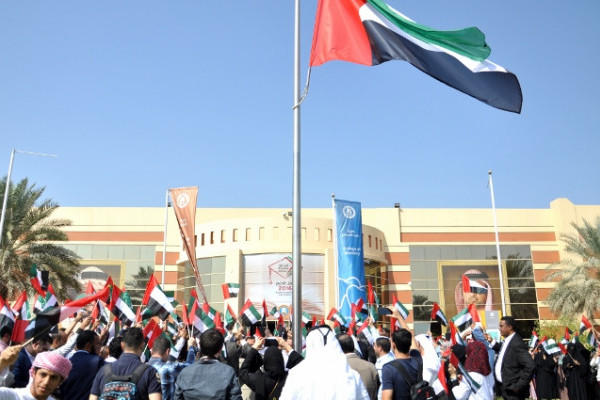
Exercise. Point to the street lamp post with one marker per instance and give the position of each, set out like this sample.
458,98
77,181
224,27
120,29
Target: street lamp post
7,189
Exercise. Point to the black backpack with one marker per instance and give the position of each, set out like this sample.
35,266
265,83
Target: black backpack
121,387
419,389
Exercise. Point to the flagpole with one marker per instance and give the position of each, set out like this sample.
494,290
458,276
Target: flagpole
500,274
164,255
335,253
7,189
296,220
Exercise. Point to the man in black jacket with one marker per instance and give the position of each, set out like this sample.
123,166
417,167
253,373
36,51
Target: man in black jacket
514,366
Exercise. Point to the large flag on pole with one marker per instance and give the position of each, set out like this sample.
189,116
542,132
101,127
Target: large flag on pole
350,260
184,204
370,32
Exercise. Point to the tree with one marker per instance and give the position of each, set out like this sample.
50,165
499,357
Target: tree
29,236
137,286
578,291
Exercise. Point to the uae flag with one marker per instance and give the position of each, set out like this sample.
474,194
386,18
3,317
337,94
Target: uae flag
151,331
7,318
156,302
230,317
370,32
21,306
463,320
120,305
336,316
202,320
306,317
438,314
400,307
74,306
584,324
591,339
442,376
250,314
230,290
39,280
211,312
534,340
471,286
44,303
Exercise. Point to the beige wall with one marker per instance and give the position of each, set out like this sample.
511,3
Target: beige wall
270,230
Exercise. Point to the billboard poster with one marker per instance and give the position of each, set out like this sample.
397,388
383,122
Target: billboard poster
269,277
454,299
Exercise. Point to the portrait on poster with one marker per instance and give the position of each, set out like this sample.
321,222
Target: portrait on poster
453,296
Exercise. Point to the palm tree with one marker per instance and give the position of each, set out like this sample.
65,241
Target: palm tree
579,289
29,237
137,286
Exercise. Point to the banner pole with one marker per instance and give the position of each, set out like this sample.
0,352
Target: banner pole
164,255
335,254
296,206
500,274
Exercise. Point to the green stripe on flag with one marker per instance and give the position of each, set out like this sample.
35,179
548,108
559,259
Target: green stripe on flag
468,42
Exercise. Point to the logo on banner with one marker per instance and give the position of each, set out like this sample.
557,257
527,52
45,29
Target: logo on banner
183,199
349,212
280,273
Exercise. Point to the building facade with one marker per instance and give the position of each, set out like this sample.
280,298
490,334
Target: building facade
416,255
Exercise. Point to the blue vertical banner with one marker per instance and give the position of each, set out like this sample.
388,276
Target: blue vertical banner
350,262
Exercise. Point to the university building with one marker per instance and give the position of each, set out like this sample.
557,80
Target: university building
416,255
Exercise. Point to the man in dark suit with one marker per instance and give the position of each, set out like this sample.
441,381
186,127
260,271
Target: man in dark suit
26,356
86,365
514,366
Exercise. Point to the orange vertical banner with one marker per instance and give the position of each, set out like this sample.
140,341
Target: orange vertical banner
184,204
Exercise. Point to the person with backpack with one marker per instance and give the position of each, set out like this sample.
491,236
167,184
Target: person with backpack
128,376
402,379
208,378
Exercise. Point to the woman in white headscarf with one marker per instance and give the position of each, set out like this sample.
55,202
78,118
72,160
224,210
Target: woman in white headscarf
324,373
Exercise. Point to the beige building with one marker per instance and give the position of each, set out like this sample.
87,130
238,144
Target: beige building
418,255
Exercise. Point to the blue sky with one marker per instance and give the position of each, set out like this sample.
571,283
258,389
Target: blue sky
139,96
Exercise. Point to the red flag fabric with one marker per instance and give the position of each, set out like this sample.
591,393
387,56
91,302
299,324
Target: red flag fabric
474,313
339,34
184,314
18,333
89,289
453,332
152,331
370,293
16,308
192,314
219,323
442,376
231,311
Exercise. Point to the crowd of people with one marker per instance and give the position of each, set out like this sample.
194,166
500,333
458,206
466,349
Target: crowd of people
80,362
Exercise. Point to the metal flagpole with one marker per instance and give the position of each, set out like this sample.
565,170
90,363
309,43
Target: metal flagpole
296,220
164,255
335,251
6,191
500,274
